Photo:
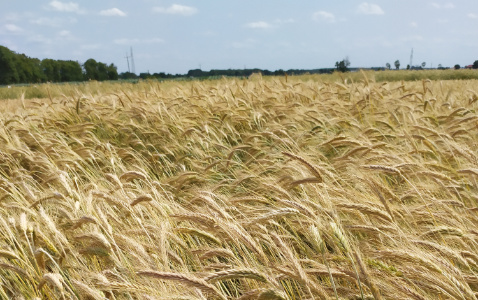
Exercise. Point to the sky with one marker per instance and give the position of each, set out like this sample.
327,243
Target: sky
179,35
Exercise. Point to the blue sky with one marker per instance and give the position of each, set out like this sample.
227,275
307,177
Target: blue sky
176,36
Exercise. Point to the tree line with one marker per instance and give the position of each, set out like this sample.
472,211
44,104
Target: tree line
19,68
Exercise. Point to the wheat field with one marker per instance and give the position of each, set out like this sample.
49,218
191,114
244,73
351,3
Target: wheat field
259,188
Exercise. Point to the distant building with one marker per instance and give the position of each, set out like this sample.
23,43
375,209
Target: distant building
469,67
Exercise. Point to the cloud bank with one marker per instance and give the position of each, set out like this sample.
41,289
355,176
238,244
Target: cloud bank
258,25
324,16
65,7
370,9
176,9
113,12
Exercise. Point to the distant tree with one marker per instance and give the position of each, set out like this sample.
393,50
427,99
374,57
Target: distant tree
51,70
343,66
475,64
424,64
195,73
19,68
28,69
70,70
127,75
388,66
397,64
408,67
37,75
99,71
8,68
457,67
145,75
102,71
160,75
440,67
91,69
112,72
279,72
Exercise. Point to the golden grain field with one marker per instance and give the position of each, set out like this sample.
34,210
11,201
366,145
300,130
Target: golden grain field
277,188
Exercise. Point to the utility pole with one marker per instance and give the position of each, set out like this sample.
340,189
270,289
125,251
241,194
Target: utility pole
127,61
411,59
132,61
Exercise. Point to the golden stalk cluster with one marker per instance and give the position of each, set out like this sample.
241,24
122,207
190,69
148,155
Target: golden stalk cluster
241,189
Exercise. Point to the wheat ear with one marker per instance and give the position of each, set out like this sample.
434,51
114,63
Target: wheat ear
140,199
386,169
54,279
187,280
8,254
235,273
131,175
373,288
309,166
320,244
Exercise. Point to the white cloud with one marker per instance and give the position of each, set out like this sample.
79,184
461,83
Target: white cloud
176,9
258,25
65,34
125,41
448,5
324,16
40,39
113,12
12,28
12,17
414,24
285,21
53,22
46,22
370,9
472,16
65,7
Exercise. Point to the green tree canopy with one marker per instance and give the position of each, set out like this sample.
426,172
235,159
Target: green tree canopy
8,68
99,71
70,70
51,70
61,70
397,64
91,69
343,65
19,68
112,72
